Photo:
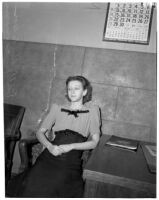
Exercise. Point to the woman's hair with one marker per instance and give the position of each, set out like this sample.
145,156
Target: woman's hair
86,86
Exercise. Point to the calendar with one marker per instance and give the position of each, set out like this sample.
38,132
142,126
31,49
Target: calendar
128,22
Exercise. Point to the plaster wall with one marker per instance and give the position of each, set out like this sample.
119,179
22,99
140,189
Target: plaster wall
124,85
77,24
44,43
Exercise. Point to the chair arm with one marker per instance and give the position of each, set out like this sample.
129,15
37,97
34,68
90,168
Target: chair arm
25,149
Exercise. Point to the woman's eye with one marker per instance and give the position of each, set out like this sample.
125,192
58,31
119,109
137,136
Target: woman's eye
77,88
69,89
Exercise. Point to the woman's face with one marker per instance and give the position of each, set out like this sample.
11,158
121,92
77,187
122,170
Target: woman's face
75,91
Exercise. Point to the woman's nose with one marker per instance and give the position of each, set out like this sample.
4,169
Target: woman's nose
72,91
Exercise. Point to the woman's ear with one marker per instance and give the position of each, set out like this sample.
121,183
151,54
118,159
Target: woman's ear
85,92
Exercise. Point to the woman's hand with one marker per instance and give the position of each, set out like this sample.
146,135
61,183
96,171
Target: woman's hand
55,150
66,147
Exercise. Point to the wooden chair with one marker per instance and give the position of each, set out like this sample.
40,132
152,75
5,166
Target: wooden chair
13,116
30,149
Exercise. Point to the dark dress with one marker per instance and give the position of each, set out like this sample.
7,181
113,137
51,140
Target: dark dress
53,176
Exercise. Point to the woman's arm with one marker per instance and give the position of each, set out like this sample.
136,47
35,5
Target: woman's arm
87,145
81,146
53,149
41,136
45,126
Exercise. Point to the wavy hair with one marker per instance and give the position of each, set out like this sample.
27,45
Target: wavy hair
86,86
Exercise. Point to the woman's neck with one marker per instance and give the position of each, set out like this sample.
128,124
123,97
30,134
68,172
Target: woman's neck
76,105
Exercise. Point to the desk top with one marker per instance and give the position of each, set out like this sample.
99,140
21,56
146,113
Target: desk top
119,164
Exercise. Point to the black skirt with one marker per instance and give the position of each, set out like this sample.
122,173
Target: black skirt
53,176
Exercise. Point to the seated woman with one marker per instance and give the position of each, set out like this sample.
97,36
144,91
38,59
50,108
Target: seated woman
57,172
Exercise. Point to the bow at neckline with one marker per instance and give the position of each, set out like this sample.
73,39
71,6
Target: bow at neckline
74,112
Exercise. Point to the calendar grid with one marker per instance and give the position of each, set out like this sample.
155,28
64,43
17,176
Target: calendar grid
128,22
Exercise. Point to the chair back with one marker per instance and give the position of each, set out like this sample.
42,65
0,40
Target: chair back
13,115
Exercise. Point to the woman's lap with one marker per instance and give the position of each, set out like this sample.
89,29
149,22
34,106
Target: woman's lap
51,178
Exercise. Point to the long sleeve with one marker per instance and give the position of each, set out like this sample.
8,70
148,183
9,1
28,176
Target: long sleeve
95,121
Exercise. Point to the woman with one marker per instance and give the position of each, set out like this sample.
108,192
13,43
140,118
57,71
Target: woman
76,127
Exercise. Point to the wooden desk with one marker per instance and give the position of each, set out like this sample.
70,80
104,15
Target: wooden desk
114,172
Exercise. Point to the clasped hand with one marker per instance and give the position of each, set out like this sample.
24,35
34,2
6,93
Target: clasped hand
58,150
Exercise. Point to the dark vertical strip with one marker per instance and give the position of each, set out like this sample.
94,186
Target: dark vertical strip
82,65
116,104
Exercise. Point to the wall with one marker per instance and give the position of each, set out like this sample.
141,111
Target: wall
77,24
124,85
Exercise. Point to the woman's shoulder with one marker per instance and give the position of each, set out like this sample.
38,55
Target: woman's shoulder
92,107
56,106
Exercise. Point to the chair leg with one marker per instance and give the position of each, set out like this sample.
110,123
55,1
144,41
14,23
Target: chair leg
23,151
9,151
